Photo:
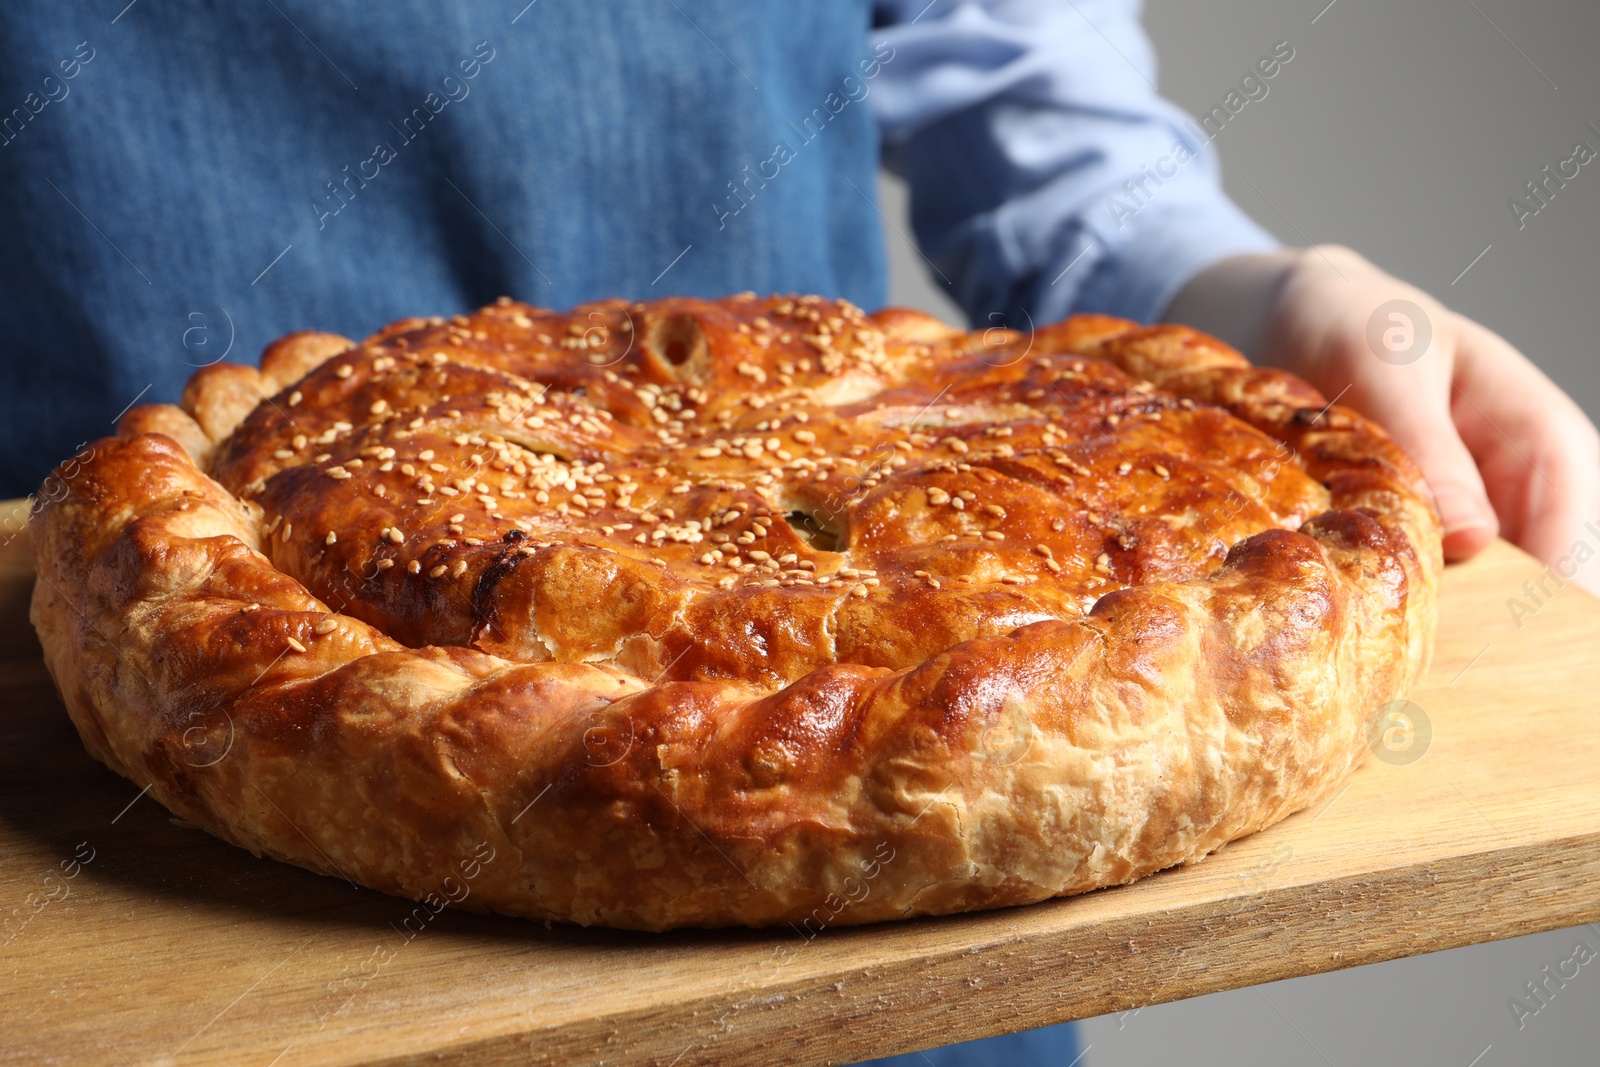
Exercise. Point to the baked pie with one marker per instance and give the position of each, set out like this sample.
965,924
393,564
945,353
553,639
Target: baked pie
736,612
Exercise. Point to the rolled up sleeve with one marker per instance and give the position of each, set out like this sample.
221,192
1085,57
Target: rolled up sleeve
1047,175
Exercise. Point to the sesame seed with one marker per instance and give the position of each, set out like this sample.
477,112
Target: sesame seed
296,645
459,569
331,539
437,572
327,626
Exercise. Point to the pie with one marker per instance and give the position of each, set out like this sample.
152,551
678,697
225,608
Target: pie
736,612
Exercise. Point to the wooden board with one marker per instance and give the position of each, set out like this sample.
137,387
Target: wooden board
135,940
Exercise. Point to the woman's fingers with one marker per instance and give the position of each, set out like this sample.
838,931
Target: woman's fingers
1412,402
1539,455
1470,521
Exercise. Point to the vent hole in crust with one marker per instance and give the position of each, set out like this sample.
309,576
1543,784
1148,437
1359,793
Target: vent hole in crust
677,350
541,445
814,532
679,344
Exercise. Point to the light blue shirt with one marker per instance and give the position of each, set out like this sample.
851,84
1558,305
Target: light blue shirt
1047,174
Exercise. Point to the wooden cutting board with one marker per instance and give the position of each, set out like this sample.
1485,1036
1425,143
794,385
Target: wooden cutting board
133,940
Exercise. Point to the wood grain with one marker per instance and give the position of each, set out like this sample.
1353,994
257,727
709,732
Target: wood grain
169,947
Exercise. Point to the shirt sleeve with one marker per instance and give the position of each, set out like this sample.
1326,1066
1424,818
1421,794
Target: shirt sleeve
1047,175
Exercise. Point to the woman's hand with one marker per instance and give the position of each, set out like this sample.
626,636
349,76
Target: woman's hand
1505,450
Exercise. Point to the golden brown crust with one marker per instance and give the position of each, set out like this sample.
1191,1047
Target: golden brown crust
738,612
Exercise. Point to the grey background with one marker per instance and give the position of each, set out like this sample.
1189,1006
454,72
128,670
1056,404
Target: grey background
1400,130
